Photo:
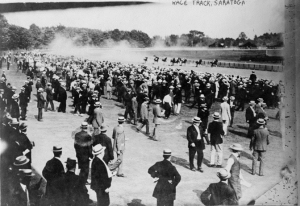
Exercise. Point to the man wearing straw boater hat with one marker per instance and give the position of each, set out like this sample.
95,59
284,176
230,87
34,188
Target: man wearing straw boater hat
156,115
119,143
83,148
215,137
54,172
219,193
97,117
259,142
101,176
195,137
167,178
40,104
234,167
250,117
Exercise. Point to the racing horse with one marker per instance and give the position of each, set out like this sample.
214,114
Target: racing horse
198,62
214,63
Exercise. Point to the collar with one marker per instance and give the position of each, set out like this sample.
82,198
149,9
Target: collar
23,187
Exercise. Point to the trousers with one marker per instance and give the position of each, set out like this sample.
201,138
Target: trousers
192,152
216,148
258,156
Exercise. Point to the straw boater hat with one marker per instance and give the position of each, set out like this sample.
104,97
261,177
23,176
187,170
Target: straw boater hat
15,96
25,173
21,160
167,152
261,121
103,128
121,119
236,147
157,101
223,174
260,99
171,87
84,125
252,102
225,98
40,90
202,96
216,115
57,149
97,104
98,149
232,98
196,120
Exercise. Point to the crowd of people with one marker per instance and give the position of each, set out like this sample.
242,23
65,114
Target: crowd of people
140,89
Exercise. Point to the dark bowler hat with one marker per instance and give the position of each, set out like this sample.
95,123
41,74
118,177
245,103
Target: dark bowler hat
57,148
70,163
167,152
21,160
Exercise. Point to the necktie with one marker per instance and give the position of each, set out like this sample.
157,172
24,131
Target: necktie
27,197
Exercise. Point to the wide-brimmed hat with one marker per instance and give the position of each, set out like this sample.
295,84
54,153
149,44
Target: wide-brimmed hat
26,173
71,162
22,88
121,119
236,147
103,128
196,119
157,101
261,121
223,174
98,149
57,148
252,102
216,115
167,152
21,160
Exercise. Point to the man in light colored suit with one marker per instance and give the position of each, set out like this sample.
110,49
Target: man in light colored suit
225,114
156,114
119,144
98,118
144,116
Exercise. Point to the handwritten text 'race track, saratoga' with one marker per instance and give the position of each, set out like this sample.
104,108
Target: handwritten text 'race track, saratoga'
208,3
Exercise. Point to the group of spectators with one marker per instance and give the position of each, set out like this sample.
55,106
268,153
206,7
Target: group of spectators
136,87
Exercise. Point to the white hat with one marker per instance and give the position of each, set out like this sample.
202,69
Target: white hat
97,149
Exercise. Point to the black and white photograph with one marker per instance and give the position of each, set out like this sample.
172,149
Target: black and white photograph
145,103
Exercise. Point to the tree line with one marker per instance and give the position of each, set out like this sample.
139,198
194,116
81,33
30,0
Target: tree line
16,37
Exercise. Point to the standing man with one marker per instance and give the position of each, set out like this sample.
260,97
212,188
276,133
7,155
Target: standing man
250,118
15,110
144,116
101,176
105,141
119,143
167,178
49,97
232,109
83,148
40,104
195,143
54,172
98,118
24,99
62,98
219,193
225,114
156,115
167,102
177,100
259,142
215,137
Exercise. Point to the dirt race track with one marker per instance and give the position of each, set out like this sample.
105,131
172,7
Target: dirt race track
141,153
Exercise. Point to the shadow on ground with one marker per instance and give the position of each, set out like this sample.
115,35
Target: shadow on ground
136,202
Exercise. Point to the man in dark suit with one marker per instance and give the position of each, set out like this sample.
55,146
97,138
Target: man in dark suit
195,137
219,193
54,172
40,104
232,109
24,99
167,178
62,98
15,110
75,192
83,147
259,142
105,141
215,137
101,177
2,101
49,97
250,118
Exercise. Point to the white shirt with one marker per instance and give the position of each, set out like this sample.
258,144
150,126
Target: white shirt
197,128
168,99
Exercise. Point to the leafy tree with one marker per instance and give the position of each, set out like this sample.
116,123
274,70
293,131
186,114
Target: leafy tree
48,36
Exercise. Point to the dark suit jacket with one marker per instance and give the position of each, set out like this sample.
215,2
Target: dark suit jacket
165,171
220,194
15,110
105,141
54,172
83,150
250,116
192,137
49,93
17,195
24,99
215,129
40,100
74,189
260,139
62,95
99,176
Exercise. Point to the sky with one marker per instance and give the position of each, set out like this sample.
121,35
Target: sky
254,17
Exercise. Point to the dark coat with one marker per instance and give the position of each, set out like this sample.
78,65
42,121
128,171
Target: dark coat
49,93
54,172
260,139
215,129
165,171
17,195
192,137
62,95
220,194
74,189
2,103
99,176
105,141
40,100
250,116
24,99
83,149
15,110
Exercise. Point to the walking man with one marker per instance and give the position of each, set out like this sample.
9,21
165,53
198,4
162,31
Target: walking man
119,144
144,116
225,114
167,178
195,143
259,142
98,118
23,103
105,141
40,104
232,109
215,137
156,115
